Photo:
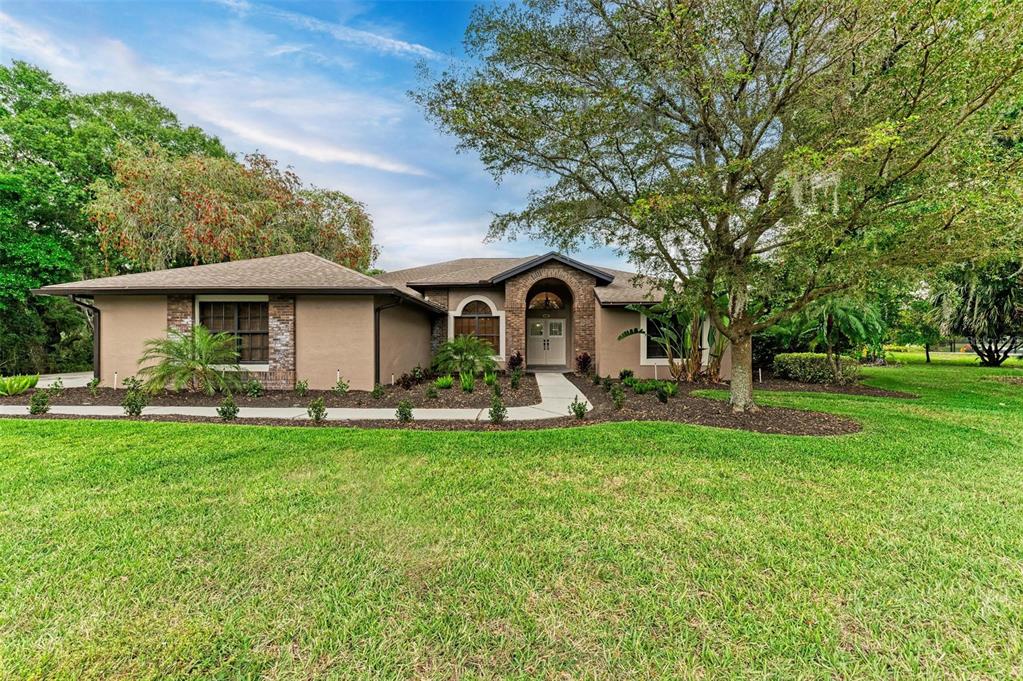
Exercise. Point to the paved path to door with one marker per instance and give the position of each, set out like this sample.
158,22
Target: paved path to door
556,393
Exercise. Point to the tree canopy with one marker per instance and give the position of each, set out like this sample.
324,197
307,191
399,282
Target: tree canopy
800,148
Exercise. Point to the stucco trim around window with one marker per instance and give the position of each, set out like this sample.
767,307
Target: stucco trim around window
643,359
233,298
497,313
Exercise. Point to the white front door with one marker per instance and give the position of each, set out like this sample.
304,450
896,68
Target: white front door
545,343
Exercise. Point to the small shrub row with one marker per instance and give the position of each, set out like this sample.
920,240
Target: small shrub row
813,367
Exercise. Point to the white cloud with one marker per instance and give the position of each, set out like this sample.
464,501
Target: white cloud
354,36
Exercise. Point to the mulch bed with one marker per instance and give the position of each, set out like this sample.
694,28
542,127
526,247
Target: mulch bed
686,408
771,383
527,393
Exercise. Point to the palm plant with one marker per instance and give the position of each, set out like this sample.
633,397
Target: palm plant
837,323
196,360
676,328
465,355
984,303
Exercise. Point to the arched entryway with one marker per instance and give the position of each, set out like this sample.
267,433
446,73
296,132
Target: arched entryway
548,324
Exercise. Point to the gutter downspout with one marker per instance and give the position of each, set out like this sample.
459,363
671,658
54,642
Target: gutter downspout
377,309
95,332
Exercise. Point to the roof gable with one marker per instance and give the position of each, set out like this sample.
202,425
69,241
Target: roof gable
603,278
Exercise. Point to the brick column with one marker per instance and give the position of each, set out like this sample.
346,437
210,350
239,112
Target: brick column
281,311
180,313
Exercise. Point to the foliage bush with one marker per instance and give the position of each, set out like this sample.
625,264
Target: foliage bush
465,354
498,412
317,410
341,387
377,392
302,387
662,394
57,387
490,377
93,386
468,381
670,388
583,363
407,381
132,383
515,361
496,389
606,383
617,396
196,360
15,385
516,378
444,382
404,412
253,388
227,410
134,402
625,373
813,367
39,403
577,408
431,392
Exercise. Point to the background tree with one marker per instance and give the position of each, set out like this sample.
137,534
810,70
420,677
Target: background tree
53,145
162,211
984,302
802,147
918,325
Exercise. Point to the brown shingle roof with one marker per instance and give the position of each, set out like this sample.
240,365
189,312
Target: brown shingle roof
624,290
296,272
460,271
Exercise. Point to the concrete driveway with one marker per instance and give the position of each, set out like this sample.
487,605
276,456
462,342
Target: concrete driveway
74,380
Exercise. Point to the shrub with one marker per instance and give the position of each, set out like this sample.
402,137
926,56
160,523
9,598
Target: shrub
515,361
341,387
498,412
15,385
625,373
377,392
617,396
595,377
317,410
810,367
490,377
643,387
227,410
93,386
302,388
468,382
583,362
662,394
431,392
444,382
39,403
404,412
407,381
132,383
606,383
465,354
516,378
577,408
670,388
496,389
419,374
56,388
134,402
253,388
196,360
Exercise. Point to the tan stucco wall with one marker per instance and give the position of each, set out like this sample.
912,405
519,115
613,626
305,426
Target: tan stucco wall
457,295
613,355
404,340
126,323
331,333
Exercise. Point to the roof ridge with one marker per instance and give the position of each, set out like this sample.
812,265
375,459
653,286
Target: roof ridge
347,269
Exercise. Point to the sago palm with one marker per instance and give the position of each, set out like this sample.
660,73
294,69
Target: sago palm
465,354
195,360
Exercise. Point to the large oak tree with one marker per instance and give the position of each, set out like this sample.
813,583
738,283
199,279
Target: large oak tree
776,150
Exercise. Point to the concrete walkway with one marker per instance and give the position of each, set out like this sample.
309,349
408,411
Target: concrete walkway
556,393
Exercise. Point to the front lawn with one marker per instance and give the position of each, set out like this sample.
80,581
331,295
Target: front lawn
620,550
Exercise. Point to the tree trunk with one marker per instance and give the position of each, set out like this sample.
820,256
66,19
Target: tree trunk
741,397
927,353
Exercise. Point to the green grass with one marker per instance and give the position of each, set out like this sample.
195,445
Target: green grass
141,550
958,358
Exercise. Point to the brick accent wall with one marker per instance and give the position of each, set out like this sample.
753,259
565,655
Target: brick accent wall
180,313
281,376
583,309
439,325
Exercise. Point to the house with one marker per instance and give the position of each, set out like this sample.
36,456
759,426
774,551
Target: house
301,316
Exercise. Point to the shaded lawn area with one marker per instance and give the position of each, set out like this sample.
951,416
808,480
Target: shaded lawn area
938,357
613,551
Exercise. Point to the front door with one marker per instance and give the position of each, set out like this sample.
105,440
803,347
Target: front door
545,344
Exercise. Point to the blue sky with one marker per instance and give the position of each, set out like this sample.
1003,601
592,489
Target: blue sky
319,86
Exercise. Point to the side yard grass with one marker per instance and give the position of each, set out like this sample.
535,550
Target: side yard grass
625,550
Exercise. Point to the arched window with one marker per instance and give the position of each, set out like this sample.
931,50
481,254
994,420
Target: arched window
546,301
477,319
